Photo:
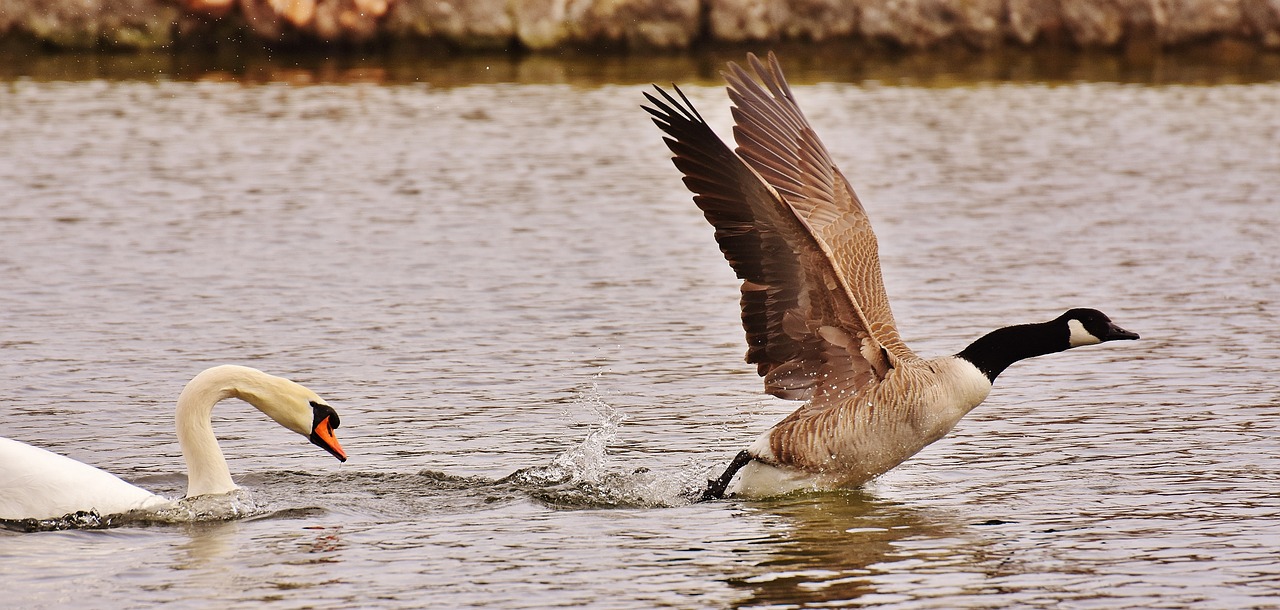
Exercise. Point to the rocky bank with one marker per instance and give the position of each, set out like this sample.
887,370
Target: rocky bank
539,25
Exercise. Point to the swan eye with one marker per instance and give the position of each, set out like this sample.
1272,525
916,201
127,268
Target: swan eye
322,411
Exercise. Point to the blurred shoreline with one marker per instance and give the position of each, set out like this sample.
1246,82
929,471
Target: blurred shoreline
450,27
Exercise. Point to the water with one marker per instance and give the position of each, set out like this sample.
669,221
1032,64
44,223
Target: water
534,346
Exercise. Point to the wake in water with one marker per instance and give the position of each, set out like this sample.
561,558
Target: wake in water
225,507
584,476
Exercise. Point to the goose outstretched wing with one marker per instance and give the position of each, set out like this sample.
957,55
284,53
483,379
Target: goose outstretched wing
776,140
805,328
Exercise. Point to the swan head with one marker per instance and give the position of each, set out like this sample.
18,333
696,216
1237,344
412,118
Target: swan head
289,403
301,410
1090,327
323,422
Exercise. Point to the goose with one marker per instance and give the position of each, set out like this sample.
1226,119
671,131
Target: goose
818,323
39,484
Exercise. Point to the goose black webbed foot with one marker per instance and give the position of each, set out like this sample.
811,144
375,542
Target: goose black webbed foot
716,487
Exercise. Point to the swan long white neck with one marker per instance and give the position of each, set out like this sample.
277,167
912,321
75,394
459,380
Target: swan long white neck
207,471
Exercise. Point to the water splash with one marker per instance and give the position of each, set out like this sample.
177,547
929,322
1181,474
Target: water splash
223,507
237,504
87,520
585,477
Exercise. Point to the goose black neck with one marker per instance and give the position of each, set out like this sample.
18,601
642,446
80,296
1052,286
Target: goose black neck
996,350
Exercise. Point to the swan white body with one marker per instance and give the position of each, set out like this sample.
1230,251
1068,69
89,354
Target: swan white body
39,484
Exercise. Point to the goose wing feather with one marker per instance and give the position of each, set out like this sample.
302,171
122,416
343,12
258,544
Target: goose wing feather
776,140
804,330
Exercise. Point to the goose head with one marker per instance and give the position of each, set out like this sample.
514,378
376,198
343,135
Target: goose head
996,350
1090,327
293,406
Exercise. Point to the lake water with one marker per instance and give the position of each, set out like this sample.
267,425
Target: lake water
498,275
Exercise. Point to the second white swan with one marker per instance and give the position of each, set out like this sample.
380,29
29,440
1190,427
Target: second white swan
39,484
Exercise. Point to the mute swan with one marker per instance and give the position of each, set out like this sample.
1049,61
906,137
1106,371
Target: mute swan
816,315
39,484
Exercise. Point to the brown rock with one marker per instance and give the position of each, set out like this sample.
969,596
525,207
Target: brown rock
546,24
980,22
909,23
1262,17
654,24
262,19
820,20
1143,18
297,12
1093,23
1030,19
744,20
764,20
474,24
541,24
123,24
211,8
326,20
1188,20
346,19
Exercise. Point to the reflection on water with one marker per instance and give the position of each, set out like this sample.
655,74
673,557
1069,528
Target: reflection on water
852,546
205,546
1225,62
506,277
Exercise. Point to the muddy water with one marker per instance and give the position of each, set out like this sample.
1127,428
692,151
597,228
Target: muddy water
499,277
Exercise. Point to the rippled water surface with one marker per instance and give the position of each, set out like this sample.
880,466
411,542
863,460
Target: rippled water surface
498,278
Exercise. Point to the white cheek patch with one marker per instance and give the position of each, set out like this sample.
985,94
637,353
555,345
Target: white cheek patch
1080,336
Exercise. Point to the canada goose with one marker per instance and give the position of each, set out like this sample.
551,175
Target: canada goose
816,315
39,484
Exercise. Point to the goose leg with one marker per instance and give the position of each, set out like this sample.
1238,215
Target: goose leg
715,487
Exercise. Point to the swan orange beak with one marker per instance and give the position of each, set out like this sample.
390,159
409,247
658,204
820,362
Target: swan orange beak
322,436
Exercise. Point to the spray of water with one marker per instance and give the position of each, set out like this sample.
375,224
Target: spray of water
585,475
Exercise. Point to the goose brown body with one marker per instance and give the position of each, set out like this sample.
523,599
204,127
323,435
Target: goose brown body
851,440
818,323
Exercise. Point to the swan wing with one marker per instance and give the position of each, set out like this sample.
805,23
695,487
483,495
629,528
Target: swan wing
804,331
40,484
776,140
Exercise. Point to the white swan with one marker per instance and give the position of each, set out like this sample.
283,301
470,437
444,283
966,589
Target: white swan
817,317
39,484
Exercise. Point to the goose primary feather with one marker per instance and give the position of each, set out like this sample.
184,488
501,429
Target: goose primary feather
818,323
39,484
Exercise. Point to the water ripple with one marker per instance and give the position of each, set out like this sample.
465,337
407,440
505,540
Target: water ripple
485,279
